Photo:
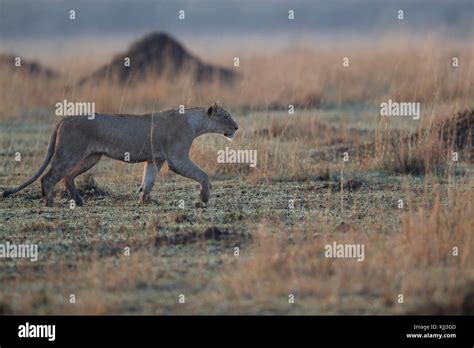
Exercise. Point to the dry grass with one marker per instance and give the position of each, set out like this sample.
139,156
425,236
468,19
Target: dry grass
416,261
433,149
396,68
408,251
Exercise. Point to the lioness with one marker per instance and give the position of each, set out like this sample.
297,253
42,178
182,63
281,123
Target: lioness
77,143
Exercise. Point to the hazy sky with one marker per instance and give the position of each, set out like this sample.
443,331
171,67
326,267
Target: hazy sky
22,19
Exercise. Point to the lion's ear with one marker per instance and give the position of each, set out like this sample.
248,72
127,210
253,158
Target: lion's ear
213,108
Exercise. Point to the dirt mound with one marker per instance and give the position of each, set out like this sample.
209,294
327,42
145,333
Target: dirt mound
459,129
456,131
158,54
28,68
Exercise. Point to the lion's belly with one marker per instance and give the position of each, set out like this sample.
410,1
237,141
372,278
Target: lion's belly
128,141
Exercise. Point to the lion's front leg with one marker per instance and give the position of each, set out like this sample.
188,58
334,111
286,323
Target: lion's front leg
149,173
186,168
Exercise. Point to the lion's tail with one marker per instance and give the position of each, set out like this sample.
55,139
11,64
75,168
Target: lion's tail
49,155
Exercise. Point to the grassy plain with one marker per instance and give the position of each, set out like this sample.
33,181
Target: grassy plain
281,214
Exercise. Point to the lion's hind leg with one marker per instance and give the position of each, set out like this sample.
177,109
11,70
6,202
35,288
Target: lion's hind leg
82,167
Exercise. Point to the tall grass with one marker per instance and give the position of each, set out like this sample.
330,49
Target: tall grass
426,261
310,76
433,149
